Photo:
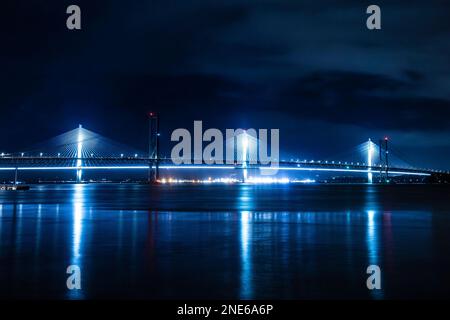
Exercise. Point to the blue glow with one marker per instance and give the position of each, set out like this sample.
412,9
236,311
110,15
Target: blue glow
369,162
371,238
244,153
77,233
78,201
215,167
373,246
79,153
246,261
347,170
197,167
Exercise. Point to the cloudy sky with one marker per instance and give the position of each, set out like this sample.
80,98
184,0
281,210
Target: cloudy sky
310,68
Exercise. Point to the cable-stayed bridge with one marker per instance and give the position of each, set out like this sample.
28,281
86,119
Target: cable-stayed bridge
81,150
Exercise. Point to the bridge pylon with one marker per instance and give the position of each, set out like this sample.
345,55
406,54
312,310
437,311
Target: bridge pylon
153,148
369,162
384,160
245,153
79,153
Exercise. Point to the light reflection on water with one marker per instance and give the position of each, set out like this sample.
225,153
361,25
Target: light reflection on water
373,247
246,254
77,234
246,259
78,212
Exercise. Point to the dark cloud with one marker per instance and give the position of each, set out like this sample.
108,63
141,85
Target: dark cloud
366,100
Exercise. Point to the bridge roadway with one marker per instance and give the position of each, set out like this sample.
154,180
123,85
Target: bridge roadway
10,163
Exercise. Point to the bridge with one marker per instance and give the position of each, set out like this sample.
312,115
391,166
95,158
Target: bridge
81,150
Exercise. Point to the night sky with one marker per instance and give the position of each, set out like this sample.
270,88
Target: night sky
310,68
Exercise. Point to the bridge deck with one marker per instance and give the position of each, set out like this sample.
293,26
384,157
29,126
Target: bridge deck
135,163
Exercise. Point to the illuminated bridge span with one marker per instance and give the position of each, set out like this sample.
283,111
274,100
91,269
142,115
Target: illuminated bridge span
82,150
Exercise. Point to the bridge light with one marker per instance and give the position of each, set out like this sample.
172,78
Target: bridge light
3,154
40,154
121,155
135,155
59,154
22,154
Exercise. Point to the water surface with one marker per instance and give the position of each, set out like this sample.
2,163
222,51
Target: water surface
225,241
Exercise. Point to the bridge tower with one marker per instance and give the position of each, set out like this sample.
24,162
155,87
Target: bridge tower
369,162
384,160
245,147
153,147
386,157
79,153
240,143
